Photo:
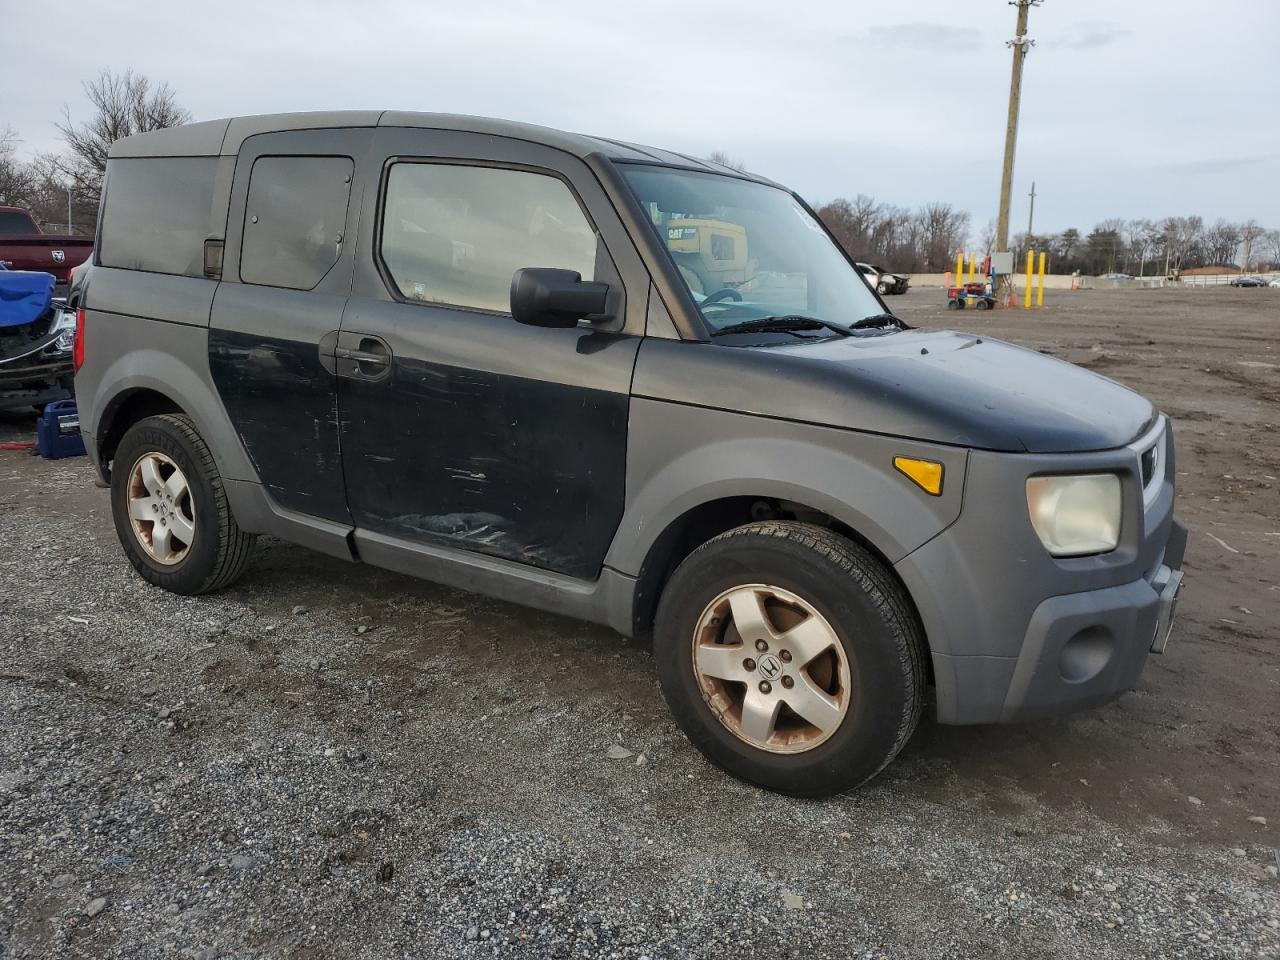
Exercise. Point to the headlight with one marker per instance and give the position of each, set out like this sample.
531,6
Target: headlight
1075,516
64,325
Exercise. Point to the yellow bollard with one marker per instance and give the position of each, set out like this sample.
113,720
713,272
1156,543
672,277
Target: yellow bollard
1040,289
1026,294
959,268
973,267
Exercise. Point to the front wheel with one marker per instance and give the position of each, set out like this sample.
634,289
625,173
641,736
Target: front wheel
790,657
171,511
882,288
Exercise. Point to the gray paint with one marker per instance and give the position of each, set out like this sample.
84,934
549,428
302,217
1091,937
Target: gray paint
979,584
125,353
606,600
152,296
256,512
939,386
681,457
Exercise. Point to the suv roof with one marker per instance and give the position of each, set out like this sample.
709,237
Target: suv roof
224,137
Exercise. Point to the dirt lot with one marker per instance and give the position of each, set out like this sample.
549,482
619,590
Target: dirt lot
333,761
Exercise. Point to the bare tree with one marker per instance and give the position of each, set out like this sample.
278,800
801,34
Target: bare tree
1180,235
1221,241
123,104
16,178
1271,240
987,238
722,158
1250,233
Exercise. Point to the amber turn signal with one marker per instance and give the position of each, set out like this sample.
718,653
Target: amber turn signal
926,473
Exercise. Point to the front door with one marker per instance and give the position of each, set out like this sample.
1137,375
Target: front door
286,275
459,426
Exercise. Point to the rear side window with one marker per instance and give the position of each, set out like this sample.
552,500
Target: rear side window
456,234
16,222
157,214
293,224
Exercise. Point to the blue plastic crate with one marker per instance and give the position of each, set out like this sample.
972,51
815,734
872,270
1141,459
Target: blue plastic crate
58,431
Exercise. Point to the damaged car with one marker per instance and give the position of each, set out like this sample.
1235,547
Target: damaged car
624,385
37,336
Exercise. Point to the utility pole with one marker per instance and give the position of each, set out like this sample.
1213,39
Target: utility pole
1020,43
1031,217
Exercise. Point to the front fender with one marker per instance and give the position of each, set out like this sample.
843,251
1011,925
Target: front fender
681,457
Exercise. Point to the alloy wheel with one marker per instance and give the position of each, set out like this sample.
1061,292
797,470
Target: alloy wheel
771,668
161,510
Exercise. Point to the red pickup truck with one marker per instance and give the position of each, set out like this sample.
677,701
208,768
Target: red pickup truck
24,247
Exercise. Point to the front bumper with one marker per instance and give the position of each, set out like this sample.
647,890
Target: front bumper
35,363
1082,650
1016,634
34,385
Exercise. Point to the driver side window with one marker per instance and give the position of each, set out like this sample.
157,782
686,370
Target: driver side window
455,235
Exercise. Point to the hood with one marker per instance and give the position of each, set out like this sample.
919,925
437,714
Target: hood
944,387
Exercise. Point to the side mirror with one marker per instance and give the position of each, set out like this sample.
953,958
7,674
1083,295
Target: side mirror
547,297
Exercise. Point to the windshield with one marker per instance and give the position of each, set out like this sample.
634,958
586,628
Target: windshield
748,251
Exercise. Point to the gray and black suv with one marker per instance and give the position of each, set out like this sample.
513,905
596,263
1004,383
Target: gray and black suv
629,386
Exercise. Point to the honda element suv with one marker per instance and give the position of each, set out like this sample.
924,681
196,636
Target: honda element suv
625,385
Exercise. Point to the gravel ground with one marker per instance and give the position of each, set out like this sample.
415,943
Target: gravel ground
333,761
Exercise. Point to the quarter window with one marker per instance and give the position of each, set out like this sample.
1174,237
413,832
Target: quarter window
456,234
157,213
294,220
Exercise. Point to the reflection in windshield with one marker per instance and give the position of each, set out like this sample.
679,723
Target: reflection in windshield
748,251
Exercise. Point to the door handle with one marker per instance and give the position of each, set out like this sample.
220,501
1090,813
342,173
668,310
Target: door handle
369,359
362,356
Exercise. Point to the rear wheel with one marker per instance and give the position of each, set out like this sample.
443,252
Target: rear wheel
170,509
790,657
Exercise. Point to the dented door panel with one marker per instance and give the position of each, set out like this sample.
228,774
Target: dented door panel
488,436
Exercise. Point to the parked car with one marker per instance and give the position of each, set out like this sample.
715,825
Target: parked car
470,350
1116,276
1275,282
24,247
36,340
883,281
1247,282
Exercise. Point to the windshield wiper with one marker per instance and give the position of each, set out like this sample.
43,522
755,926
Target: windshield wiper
789,323
880,320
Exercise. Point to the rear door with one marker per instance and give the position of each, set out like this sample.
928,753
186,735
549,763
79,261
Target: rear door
461,427
286,277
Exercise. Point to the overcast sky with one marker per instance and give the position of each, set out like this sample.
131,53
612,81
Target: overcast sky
1131,108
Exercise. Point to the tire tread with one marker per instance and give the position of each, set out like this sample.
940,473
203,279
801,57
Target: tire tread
885,593
235,547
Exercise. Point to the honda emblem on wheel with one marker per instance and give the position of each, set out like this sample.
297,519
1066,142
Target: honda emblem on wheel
59,256
770,667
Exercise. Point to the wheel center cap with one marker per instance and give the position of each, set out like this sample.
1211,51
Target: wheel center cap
769,667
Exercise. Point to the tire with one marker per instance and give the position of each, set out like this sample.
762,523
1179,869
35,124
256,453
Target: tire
882,288
218,551
953,304
874,626
983,304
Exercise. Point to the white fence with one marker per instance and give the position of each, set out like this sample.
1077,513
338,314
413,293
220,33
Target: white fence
1222,279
